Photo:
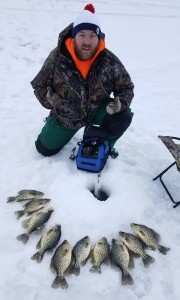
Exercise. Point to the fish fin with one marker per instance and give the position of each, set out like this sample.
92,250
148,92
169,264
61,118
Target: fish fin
52,267
156,235
84,261
59,281
50,251
107,261
126,279
26,204
23,199
152,248
131,263
22,191
163,249
19,213
32,192
91,255
29,213
39,230
95,269
75,269
143,244
114,266
23,237
38,246
69,270
92,260
38,256
11,199
147,260
133,254
25,223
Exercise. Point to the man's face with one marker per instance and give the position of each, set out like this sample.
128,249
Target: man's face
86,44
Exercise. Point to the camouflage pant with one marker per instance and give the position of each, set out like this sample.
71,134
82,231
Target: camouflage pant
54,136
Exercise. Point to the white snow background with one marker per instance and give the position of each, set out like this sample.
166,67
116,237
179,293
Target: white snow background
144,34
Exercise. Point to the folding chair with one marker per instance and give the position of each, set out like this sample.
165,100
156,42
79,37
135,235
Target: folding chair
175,151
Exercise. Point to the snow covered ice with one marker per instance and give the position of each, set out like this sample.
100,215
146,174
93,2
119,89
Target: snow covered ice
144,34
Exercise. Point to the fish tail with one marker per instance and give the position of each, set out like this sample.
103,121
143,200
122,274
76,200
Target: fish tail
163,249
23,237
11,199
95,269
19,213
147,260
38,256
126,279
76,270
59,281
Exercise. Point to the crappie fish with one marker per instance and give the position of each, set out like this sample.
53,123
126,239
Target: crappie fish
150,237
31,207
28,191
134,244
47,242
81,253
121,258
31,224
60,262
25,195
100,253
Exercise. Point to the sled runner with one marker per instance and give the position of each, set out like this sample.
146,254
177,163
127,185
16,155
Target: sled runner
174,149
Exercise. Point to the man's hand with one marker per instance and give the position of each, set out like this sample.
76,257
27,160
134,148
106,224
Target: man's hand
49,92
51,97
114,106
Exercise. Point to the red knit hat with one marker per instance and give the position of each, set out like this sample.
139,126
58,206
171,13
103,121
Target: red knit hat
87,20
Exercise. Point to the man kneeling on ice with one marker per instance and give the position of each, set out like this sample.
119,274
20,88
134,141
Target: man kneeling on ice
75,83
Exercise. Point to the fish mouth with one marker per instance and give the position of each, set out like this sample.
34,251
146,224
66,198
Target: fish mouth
133,224
57,228
46,200
65,242
51,209
121,233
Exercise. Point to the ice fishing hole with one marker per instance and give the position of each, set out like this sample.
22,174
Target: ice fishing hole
101,194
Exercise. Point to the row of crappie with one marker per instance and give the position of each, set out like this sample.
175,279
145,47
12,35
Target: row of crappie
67,260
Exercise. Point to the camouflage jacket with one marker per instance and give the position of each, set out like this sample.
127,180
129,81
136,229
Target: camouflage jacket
77,99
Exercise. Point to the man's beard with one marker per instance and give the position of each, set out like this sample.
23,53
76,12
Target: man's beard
85,52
